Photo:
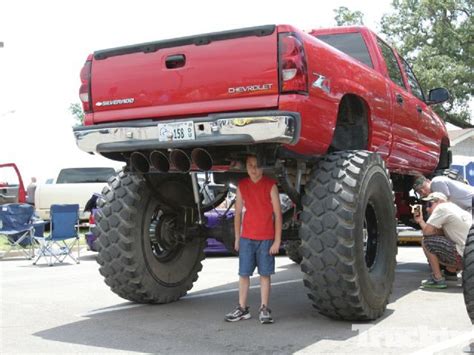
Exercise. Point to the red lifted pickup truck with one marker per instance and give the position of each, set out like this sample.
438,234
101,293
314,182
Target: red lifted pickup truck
336,115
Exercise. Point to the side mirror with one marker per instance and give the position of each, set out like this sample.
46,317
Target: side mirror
437,96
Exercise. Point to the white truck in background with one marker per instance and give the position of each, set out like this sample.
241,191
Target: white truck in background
73,185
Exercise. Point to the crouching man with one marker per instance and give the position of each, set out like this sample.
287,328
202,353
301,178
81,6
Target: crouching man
444,236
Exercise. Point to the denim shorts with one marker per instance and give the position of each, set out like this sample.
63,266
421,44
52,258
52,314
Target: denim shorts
255,253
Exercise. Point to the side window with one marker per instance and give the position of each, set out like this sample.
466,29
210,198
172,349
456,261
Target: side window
414,85
350,43
392,65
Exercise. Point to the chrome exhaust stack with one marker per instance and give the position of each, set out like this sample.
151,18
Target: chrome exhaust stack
159,161
202,159
180,160
139,162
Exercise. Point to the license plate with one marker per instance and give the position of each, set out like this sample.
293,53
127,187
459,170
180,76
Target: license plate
177,131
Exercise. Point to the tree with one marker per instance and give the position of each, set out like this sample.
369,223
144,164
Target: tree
436,38
77,113
346,17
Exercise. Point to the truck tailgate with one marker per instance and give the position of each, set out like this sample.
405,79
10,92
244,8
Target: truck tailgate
217,72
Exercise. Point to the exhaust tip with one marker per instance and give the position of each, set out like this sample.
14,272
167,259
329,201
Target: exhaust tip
160,161
180,160
139,162
202,159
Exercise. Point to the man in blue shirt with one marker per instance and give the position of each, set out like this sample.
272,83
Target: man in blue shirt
457,192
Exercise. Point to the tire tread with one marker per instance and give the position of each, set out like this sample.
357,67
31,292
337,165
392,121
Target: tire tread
327,238
116,221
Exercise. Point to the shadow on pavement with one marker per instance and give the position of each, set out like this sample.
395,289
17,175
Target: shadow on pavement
196,324
89,257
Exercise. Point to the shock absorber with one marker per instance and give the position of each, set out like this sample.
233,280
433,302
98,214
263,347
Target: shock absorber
197,200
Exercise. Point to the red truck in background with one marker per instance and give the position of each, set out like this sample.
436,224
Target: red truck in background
12,189
335,115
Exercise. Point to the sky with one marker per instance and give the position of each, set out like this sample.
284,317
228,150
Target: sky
46,43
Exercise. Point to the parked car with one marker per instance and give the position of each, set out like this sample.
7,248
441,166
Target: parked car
215,247
72,185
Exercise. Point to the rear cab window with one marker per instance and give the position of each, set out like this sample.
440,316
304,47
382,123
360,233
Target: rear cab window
84,175
349,43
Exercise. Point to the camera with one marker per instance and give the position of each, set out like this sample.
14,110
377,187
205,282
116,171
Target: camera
416,210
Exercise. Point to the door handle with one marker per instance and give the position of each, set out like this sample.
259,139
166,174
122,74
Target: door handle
175,61
419,109
399,99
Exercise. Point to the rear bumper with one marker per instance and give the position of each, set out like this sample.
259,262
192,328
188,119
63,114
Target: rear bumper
214,130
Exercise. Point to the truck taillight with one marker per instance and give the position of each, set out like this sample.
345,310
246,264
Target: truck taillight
84,91
293,68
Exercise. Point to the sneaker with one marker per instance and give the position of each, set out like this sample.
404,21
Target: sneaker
450,276
265,315
237,314
433,283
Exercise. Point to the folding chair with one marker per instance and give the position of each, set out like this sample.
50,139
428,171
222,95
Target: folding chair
64,226
16,224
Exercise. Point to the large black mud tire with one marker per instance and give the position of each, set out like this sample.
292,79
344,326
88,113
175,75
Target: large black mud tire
292,249
126,257
468,274
348,233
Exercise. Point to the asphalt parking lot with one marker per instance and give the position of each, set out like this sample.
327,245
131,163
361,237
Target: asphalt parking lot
69,309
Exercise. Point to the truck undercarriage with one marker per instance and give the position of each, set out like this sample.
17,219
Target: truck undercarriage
341,224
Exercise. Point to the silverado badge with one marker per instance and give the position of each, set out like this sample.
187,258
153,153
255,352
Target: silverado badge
115,102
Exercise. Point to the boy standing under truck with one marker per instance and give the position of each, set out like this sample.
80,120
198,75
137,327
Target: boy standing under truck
257,239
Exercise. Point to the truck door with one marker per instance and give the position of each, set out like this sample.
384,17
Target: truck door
405,151
12,189
429,141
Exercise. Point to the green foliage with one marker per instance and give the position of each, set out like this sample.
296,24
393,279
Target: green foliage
77,113
346,17
436,38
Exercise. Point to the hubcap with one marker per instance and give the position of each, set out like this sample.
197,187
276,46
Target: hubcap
163,241
370,236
